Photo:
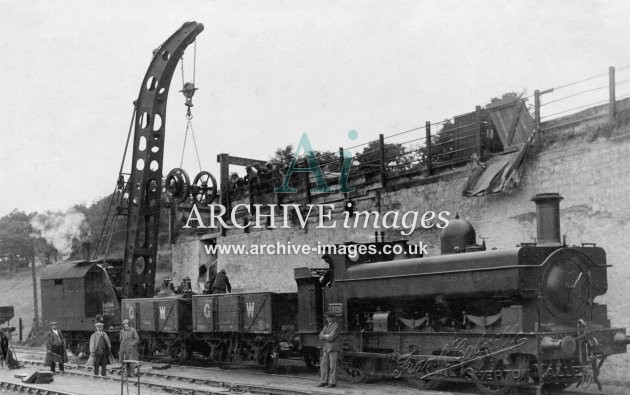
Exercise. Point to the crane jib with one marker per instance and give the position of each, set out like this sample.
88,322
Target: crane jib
145,181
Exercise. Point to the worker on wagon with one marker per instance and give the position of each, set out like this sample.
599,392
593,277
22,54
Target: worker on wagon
100,350
221,283
330,352
326,279
55,348
128,346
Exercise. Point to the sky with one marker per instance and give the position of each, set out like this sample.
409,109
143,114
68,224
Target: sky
268,71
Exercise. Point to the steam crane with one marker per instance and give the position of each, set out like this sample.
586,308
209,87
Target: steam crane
145,181
77,293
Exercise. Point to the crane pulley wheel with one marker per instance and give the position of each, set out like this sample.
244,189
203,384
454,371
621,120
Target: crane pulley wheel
204,188
177,185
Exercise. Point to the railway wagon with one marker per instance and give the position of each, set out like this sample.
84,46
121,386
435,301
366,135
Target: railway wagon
258,326
163,324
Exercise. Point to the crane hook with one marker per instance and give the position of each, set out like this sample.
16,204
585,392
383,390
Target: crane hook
189,91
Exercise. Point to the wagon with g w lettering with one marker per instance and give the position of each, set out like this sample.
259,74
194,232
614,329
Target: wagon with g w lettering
164,324
258,326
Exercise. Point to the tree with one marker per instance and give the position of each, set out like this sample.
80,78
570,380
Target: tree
282,158
369,160
15,234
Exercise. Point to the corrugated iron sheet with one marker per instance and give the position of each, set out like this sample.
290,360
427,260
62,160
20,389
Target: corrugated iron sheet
502,173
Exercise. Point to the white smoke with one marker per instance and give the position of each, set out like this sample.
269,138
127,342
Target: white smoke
60,229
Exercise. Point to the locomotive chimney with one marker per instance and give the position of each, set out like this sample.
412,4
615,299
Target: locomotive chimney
548,219
86,248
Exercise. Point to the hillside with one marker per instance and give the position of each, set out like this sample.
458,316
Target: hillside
18,292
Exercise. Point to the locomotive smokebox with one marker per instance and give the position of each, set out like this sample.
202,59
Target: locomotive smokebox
548,219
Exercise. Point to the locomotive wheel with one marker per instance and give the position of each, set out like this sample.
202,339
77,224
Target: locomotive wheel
420,383
204,188
556,386
423,384
351,371
312,359
271,359
511,363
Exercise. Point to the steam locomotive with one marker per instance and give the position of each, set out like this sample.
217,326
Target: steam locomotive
501,319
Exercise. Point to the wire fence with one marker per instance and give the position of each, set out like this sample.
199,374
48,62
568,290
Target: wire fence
578,101
428,149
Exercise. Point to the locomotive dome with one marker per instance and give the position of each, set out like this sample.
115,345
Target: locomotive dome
458,235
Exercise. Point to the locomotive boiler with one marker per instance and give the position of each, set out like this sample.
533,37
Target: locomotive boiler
503,319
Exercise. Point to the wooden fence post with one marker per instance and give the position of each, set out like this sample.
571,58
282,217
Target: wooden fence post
479,127
341,158
224,185
537,116
428,143
381,145
611,94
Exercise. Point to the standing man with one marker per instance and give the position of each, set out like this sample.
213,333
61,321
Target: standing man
128,346
55,348
221,283
100,349
6,353
330,352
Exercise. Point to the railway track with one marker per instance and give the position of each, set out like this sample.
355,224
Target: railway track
210,387
611,387
6,385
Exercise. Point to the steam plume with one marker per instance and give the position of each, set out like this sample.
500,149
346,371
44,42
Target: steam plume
60,229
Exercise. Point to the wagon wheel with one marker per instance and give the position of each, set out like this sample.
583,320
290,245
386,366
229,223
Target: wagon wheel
144,350
351,371
271,358
180,352
312,359
224,356
204,188
177,185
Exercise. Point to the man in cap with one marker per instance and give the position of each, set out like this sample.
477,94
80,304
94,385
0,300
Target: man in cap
100,349
128,346
55,348
330,352
221,283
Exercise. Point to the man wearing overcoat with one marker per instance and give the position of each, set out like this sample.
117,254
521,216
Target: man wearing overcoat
55,348
100,350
